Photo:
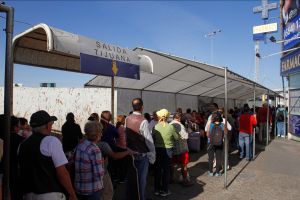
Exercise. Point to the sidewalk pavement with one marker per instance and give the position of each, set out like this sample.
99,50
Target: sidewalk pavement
274,174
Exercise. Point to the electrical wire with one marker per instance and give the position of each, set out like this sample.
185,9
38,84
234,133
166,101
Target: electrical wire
18,21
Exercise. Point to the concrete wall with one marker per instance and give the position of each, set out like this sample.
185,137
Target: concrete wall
59,101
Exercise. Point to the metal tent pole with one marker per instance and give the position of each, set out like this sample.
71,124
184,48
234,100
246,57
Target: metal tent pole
226,132
8,94
284,101
113,99
254,112
175,101
268,117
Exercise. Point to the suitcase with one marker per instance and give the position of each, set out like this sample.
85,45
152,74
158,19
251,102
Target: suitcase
194,141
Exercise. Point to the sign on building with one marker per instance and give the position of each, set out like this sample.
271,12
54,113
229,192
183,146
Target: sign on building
259,31
290,14
290,63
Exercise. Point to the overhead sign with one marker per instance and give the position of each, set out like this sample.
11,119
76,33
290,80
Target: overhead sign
90,64
266,28
290,63
290,14
100,58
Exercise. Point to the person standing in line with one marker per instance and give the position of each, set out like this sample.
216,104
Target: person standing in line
247,121
71,133
215,143
139,139
164,136
15,141
153,122
262,116
280,115
181,150
24,128
42,162
121,167
89,169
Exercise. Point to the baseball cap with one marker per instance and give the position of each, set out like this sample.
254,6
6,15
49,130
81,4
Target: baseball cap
40,118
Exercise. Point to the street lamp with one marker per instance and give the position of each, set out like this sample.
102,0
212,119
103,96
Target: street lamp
273,39
211,35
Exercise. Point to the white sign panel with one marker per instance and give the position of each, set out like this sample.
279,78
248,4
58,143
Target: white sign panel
266,28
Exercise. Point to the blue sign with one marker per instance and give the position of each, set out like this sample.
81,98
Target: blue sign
107,67
294,125
291,32
290,15
290,63
259,37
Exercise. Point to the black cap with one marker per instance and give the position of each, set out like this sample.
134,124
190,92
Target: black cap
40,118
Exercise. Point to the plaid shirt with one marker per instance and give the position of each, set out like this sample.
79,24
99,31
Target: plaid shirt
89,169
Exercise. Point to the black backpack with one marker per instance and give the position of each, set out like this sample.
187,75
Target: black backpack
216,134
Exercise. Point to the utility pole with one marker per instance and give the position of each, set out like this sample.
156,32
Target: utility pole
212,35
264,10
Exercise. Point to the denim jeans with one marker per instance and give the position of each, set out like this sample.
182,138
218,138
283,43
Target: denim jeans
244,142
162,169
280,129
141,163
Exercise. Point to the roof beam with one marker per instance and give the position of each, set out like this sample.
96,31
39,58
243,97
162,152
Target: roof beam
247,81
195,84
238,88
165,76
213,88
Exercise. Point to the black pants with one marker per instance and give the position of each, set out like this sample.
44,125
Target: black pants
213,151
162,169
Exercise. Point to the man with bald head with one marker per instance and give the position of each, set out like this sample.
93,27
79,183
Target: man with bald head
139,139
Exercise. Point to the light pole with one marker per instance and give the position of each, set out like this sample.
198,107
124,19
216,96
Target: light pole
211,35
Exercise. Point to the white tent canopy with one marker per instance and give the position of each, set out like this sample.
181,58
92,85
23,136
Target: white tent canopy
49,47
177,75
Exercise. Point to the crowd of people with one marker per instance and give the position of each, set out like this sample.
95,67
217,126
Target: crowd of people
86,165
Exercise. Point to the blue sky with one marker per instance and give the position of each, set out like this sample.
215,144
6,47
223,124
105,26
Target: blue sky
176,27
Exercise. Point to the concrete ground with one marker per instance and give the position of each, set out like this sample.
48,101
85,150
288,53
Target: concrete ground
274,174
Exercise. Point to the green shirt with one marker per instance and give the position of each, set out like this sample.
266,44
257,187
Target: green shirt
164,135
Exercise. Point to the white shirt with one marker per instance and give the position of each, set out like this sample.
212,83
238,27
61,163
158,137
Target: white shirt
52,147
183,134
152,125
209,122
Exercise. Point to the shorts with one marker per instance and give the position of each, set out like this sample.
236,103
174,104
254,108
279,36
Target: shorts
182,159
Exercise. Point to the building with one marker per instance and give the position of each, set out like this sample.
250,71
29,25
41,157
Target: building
290,63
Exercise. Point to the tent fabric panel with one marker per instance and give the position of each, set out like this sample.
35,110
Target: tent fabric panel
203,86
145,79
169,85
157,100
124,99
190,74
219,92
163,67
186,101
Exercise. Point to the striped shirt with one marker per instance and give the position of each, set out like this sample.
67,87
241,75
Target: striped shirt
89,169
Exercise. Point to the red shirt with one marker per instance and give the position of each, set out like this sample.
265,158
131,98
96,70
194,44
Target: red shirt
262,115
247,122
